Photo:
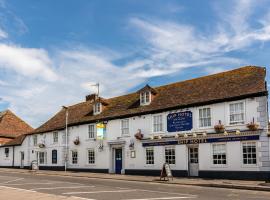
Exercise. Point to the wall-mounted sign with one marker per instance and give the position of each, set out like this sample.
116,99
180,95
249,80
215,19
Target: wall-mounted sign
101,131
202,140
181,121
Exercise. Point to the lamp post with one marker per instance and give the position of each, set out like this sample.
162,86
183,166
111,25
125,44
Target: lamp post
66,138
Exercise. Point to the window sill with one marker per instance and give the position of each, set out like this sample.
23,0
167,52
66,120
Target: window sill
91,139
249,165
219,166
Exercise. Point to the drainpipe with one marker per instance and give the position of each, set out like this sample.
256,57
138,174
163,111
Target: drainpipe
13,156
66,142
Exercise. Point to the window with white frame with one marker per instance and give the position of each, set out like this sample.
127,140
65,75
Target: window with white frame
42,158
125,127
55,137
219,154
149,155
205,117
97,108
157,123
91,156
35,140
91,131
145,98
74,157
170,155
237,113
249,153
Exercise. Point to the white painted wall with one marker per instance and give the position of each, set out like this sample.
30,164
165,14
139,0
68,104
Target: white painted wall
219,111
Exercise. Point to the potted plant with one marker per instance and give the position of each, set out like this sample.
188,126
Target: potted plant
219,128
41,145
252,126
139,135
76,141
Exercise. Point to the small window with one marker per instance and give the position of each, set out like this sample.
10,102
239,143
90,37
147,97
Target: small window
249,153
157,123
55,137
91,131
149,155
219,154
125,126
74,155
237,113
54,156
170,155
97,108
42,158
145,98
7,152
91,156
205,117
35,140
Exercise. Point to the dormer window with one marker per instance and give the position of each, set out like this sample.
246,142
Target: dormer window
147,94
97,108
145,98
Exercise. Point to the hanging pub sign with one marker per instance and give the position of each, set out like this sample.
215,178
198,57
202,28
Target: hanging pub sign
101,131
180,121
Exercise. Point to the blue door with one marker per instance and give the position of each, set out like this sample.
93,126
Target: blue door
118,161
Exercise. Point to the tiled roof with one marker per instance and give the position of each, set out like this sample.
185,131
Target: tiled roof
15,142
231,85
12,126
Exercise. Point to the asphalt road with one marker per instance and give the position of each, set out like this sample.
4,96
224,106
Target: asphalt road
104,189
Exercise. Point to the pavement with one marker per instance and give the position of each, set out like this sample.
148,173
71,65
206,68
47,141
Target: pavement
219,183
42,186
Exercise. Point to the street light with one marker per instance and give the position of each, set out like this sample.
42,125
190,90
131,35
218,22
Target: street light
66,145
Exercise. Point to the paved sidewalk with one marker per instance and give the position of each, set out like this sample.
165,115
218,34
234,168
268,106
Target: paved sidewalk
221,183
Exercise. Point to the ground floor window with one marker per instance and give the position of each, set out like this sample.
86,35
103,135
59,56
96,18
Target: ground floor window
249,153
149,155
42,157
170,155
91,156
54,156
74,156
219,154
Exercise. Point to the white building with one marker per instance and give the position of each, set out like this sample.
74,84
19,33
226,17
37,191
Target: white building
214,126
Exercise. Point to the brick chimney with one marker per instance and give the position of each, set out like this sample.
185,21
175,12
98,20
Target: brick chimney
91,97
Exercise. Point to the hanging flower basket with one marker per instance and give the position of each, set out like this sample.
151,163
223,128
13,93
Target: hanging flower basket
76,141
219,128
41,145
252,126
139,135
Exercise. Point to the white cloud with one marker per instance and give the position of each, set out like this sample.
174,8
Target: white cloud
3,34
29,62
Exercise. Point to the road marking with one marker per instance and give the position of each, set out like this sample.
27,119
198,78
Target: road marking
174,193
68,187
18,184
103,191
18,179
19,189
81,198
161,198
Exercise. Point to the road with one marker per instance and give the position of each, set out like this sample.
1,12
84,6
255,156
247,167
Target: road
59,187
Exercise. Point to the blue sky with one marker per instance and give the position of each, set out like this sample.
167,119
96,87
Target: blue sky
52,51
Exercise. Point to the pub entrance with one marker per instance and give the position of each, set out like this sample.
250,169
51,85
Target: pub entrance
193,160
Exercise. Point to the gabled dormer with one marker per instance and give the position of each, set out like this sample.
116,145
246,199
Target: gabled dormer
99,105
147,94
